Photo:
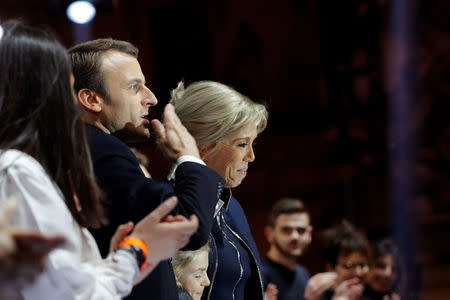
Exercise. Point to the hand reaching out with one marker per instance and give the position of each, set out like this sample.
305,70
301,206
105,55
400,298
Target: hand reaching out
271,292
318,284
172,137
121,232
22,252
164,235
350,289
394,296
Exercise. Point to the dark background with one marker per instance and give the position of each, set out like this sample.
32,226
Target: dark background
325,70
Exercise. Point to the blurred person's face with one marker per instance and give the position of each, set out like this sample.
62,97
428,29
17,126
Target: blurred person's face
350,266
126,109
291,234
193,277
383,274
230,156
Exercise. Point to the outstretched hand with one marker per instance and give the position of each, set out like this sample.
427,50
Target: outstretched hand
164,235
271,292
121,232
22,252
350,289
394,296
318,284
172,137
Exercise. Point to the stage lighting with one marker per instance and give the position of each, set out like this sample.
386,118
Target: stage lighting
81,12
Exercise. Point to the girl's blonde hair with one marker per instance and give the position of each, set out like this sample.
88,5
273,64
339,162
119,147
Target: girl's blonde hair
182,259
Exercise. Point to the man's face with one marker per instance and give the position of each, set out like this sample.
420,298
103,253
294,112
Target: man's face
291,234
125,110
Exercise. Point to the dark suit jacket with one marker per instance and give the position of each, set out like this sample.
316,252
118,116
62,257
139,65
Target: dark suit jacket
131,196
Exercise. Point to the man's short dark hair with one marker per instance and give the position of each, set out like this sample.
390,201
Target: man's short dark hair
286,206
86,62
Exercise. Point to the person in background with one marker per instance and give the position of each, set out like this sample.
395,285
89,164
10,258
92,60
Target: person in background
22,251
289,233
190,272
225,125
346,252
384,278
45,167
112,92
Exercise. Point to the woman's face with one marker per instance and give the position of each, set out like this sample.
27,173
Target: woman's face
350,266
230,157
193,278
383,274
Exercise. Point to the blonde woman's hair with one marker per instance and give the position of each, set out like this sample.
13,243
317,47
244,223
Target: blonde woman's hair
212,111
182,258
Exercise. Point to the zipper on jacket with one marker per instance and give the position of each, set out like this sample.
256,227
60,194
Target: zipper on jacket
253,255
241,269
215,267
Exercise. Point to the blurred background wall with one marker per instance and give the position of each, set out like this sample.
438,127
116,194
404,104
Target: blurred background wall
326,70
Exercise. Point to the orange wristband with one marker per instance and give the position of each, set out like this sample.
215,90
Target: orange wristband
129,241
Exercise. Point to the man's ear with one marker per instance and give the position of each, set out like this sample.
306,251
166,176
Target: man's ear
268,232
90,100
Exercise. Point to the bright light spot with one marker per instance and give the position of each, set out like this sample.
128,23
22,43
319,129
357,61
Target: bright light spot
1,32
81,12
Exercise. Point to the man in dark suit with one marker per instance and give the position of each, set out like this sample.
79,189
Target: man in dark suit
111,89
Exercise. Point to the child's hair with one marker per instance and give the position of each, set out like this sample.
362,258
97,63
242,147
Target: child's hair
182,258
343,239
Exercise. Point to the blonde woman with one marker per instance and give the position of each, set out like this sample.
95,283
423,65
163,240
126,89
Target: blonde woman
225,125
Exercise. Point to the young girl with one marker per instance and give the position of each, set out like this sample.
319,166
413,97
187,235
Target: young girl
190,272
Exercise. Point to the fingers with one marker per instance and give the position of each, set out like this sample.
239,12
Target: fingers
35,244
170,117
319,283
194,222
395,296
121,232
7,208
170,120
159,129
353,281
272,288
326,279
174,129
271,292
164,208
186,229
173,219
351,289
49,244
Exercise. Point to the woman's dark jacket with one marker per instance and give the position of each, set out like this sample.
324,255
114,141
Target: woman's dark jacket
234,263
